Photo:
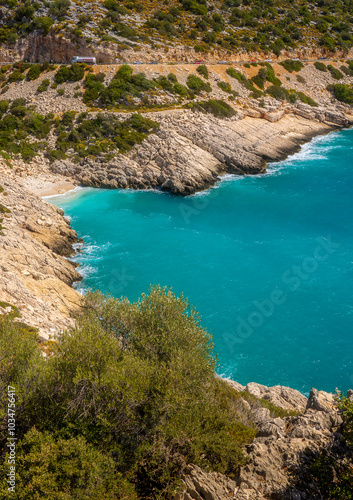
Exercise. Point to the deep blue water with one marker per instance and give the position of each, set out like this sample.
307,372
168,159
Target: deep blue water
266,260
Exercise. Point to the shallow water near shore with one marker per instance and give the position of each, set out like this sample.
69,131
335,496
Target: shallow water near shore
267,261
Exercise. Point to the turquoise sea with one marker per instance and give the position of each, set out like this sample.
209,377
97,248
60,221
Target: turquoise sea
266,260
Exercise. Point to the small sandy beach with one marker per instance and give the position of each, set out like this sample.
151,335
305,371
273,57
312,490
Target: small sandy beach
44,186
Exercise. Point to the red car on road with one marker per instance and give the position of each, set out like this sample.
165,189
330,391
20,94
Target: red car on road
198,61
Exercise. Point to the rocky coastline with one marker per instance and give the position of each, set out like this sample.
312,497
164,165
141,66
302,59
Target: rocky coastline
190,151
282,451
36,275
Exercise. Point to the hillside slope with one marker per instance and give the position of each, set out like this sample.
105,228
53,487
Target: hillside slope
173,30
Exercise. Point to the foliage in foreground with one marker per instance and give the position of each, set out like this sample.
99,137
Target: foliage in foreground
123,403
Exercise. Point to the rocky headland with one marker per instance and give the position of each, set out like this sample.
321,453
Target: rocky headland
282,451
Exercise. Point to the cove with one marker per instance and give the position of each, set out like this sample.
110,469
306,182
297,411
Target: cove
266,260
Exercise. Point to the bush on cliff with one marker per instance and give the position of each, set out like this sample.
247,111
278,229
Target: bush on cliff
203,71
343,93
218,108
278,93
74,73
320,66
34,72
102,134
291,65
335,73
197,85
124,85
128,392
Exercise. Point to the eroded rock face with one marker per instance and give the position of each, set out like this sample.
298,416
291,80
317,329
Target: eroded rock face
34,275
284,397
281,452
202,485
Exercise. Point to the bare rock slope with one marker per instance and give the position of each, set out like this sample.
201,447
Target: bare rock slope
281,452
34,275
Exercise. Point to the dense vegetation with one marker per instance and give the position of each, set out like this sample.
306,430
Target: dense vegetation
129,90
24,133
216,107
343,93
99,135
121,404
253,25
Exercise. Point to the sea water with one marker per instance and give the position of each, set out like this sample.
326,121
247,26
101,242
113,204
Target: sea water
266,260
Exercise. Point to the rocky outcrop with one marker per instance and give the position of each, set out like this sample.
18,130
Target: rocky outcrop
190,151
35,275
283,397
201,485
280,454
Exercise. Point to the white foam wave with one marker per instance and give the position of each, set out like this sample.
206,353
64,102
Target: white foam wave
87,270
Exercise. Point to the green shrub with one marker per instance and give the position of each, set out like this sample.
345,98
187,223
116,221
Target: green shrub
225,87
258,81
181,90
270,75
291,65
172,78
343,93
346,407
61,92
46,468
20,101
102,134
94,86
306,99
4,106
124,85
34,72
4,210
236,74
278,93
346,70
55,154
335,73
43,23
163,82
320,66
256,94
18,110
15,76
197,85
74,73
300,79
333,480
203,71
44,85
218,108
59,8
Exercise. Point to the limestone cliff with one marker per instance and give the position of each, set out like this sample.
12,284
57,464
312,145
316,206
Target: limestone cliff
282,451
35,275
